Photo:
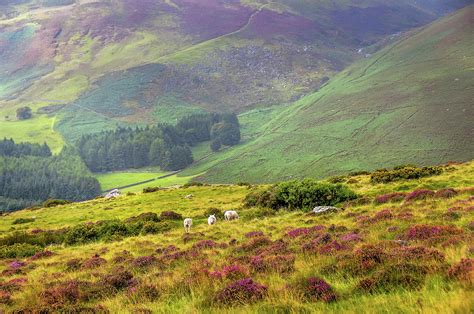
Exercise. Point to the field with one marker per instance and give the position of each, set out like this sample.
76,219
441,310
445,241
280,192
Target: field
117,179
38,130
413,255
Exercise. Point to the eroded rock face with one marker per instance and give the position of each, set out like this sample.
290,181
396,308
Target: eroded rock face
326,209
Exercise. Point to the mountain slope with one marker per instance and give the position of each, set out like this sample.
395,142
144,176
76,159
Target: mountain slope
181,56
409,103
131,254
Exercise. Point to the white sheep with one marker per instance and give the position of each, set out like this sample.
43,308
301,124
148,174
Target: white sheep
188,222
211,220
231,215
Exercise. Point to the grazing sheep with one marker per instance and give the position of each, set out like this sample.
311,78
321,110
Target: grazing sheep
188,222
189,196
211,220
231,215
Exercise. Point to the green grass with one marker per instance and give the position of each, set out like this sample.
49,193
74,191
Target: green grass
117,179
39,129
406,104
173,180
181,288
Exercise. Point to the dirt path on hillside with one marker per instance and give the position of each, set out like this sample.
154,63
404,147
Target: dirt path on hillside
195,46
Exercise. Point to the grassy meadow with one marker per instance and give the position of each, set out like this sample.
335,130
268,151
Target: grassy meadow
380,255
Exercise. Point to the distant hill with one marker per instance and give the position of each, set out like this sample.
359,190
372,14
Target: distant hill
412,102
122,62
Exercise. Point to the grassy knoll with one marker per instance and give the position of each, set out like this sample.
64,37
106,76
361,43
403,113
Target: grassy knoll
402,256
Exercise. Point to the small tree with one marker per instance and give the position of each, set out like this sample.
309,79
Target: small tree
24,113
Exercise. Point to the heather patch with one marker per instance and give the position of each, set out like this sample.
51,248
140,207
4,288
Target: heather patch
464,270
446,193
418,195
242,291
93,262
117,280
143,262
390,197
273,263
41,255
254,244
254,234
389,277
430,232
315,289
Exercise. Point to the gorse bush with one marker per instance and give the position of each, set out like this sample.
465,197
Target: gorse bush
404,173
303,195
19,250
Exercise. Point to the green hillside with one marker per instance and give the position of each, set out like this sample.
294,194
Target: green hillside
409,103
126,62
400,247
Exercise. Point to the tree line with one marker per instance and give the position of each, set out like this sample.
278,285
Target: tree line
9,148
162,145
27,179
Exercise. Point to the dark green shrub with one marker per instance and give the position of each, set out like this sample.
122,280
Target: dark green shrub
20,221
54,203
19,250
192,183
304,195
144,217
170,215
42,239
213,211
83,233
405,173
152,189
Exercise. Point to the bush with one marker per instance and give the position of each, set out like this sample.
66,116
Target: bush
19,250
427,232
391,197
213,211
170,215
152,189
54,203
316,289
144,217
20,221
242,291
404,173
304,195
390,277
419,195
192,183
446,193
464,270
